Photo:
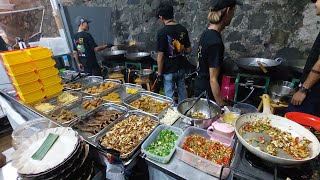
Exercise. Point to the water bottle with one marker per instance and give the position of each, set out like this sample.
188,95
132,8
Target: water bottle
65,61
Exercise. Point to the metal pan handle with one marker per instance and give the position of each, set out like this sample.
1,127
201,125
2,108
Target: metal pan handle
279,60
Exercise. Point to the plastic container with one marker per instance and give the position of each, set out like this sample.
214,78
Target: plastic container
47,72
28,88
197,161
32,97
231,115
19,69
53,89
24,78
44,63
37,53
15,57
49,81
154,137
26,130
246,108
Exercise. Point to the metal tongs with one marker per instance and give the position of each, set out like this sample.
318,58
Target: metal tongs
204,93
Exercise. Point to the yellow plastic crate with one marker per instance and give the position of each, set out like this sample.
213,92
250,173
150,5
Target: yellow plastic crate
19,69
28,88
38,53
24,78
32,97
49,81
44,63
47,72
53,90
15,57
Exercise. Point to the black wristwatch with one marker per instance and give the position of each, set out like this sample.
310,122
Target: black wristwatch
304,90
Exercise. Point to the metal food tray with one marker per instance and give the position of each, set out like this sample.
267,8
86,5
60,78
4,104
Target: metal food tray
118,83
155,96
121,91
130,113
103,107
54,101
85,82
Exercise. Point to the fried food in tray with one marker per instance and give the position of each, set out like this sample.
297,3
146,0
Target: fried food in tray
91,104
66,98
63,116
98,121
113,97
97,89
128,133
149,105
74,86
44,107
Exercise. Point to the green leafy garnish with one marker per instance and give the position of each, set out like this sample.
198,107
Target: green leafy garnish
164,143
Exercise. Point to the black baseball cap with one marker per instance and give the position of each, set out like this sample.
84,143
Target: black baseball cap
217,5
81,19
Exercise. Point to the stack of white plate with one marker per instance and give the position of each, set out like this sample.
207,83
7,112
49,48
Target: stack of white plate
67,158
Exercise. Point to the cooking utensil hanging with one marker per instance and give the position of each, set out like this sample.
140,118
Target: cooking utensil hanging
296,130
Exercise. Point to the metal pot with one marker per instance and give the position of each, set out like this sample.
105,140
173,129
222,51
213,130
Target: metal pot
144,74
212,112
137,56
281,92
252,64
113,55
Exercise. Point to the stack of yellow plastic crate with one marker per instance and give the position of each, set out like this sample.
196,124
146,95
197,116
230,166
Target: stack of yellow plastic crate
48,74
32,73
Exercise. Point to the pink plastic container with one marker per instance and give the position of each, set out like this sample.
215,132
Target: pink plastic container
228,87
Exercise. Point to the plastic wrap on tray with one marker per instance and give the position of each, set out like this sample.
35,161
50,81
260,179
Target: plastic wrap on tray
131,134
99,119
197,161
100,89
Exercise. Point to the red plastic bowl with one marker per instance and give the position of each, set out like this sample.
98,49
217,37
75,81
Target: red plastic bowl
304,119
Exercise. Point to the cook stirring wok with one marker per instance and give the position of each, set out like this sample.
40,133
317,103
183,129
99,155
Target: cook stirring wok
307,98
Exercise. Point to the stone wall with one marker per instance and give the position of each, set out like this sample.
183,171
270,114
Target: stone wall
269,28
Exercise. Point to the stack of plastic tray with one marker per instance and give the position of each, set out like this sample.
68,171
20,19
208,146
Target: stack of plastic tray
22,74
41,59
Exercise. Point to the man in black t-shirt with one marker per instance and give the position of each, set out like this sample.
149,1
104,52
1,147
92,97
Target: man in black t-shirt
85,48
307,99
172,43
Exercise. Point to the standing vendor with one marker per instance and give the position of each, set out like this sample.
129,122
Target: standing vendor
307,98
211,49
85,48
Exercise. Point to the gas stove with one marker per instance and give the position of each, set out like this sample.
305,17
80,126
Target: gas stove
247,166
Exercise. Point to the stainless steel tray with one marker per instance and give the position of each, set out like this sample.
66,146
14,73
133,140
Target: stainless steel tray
103,107
54,101
86,81
130,113
118,83
155,96
121,91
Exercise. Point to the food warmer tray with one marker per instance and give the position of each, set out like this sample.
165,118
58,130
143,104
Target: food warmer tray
86,81
54,101
75,108
127,156
121,91
101,108
117,86
155,96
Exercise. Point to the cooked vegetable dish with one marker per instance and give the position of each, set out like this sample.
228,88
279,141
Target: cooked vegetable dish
74,86
132,91
63,116
198,115
295,147
66,98
100,120
95,90
210,150
128,133
164,143
91,104
147,104
113,97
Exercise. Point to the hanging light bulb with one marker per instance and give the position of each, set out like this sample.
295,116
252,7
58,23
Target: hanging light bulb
5,5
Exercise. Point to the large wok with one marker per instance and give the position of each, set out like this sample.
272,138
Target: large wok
137,56
113,55
252,64
282,123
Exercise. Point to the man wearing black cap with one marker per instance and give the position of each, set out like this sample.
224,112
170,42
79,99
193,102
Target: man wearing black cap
85,47
211,49
307,98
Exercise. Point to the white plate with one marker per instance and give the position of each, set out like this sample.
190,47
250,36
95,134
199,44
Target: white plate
60,151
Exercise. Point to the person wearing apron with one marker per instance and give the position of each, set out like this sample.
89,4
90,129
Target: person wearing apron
307,98
211,49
